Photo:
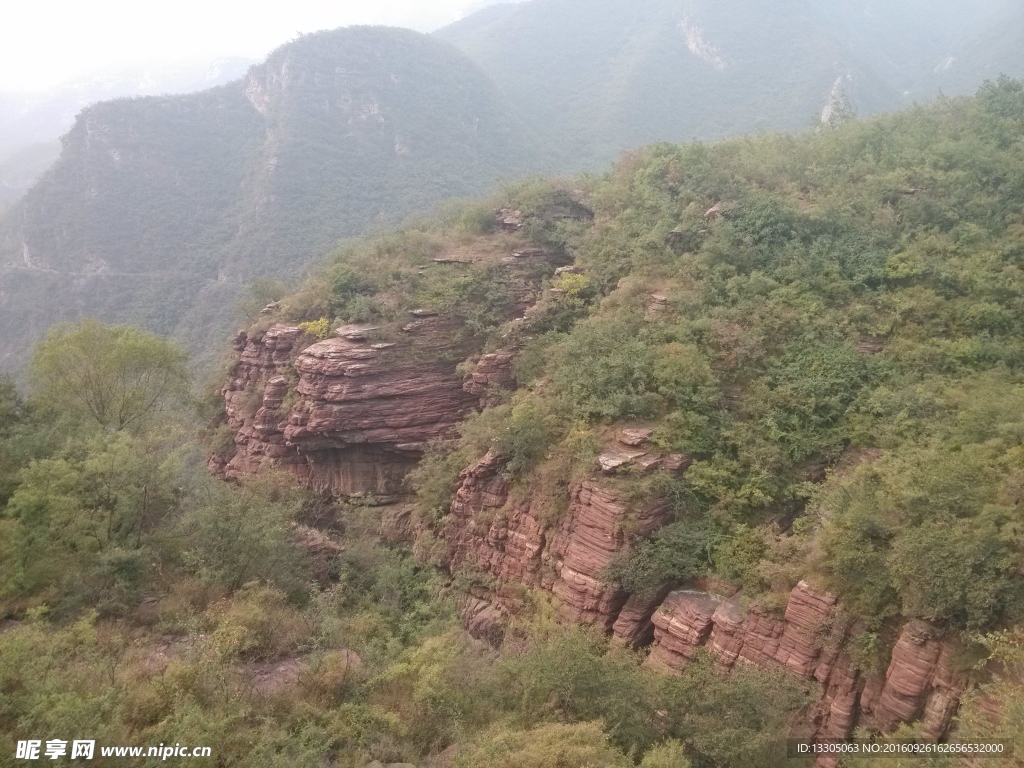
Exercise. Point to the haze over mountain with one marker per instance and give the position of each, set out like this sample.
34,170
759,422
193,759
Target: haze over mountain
31,122
591,78
162,208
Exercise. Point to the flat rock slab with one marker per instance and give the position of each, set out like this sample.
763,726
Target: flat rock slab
635,437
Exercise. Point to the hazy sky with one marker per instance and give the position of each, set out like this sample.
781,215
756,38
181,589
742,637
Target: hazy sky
46,42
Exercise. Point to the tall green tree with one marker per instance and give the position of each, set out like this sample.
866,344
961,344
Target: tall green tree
112,376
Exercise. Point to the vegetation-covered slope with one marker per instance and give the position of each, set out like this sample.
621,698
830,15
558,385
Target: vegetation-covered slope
839,350
162,208
829,325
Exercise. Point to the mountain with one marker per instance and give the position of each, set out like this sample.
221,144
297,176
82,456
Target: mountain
31,123
913,44
594,77
756,404
160,209
996,49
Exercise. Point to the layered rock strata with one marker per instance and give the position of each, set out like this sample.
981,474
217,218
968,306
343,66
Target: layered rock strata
591,535
504,538
919,684
348,415
491,374
362,413
500,536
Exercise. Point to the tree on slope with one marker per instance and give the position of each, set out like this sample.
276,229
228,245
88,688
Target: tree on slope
112,376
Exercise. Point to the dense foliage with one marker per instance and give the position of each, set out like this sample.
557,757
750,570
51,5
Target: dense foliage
837,344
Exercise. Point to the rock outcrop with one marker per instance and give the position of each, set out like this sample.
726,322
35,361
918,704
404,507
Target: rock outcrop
919,684
362,413
591,535
492,372
634,627
503,538
350,415
499,536
353,413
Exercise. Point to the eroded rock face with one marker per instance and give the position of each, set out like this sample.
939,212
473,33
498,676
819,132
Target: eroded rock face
634,627
500,536
682,625
487,531
362,412
920,683
347,415
597,527
493,372
505,539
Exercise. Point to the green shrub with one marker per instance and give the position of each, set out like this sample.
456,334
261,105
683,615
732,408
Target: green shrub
671,754
237,533
604,370
258,624
675,553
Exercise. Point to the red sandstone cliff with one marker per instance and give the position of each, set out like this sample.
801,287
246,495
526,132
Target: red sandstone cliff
919,684
353,413
503,538
360,416
362,412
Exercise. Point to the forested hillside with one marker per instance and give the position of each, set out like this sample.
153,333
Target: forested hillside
161,209
828,325
770,391
654,468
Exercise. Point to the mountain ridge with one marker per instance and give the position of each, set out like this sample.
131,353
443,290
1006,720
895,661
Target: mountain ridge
204,192
363,126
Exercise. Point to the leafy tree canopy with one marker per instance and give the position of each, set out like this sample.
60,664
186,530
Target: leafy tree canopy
112,377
